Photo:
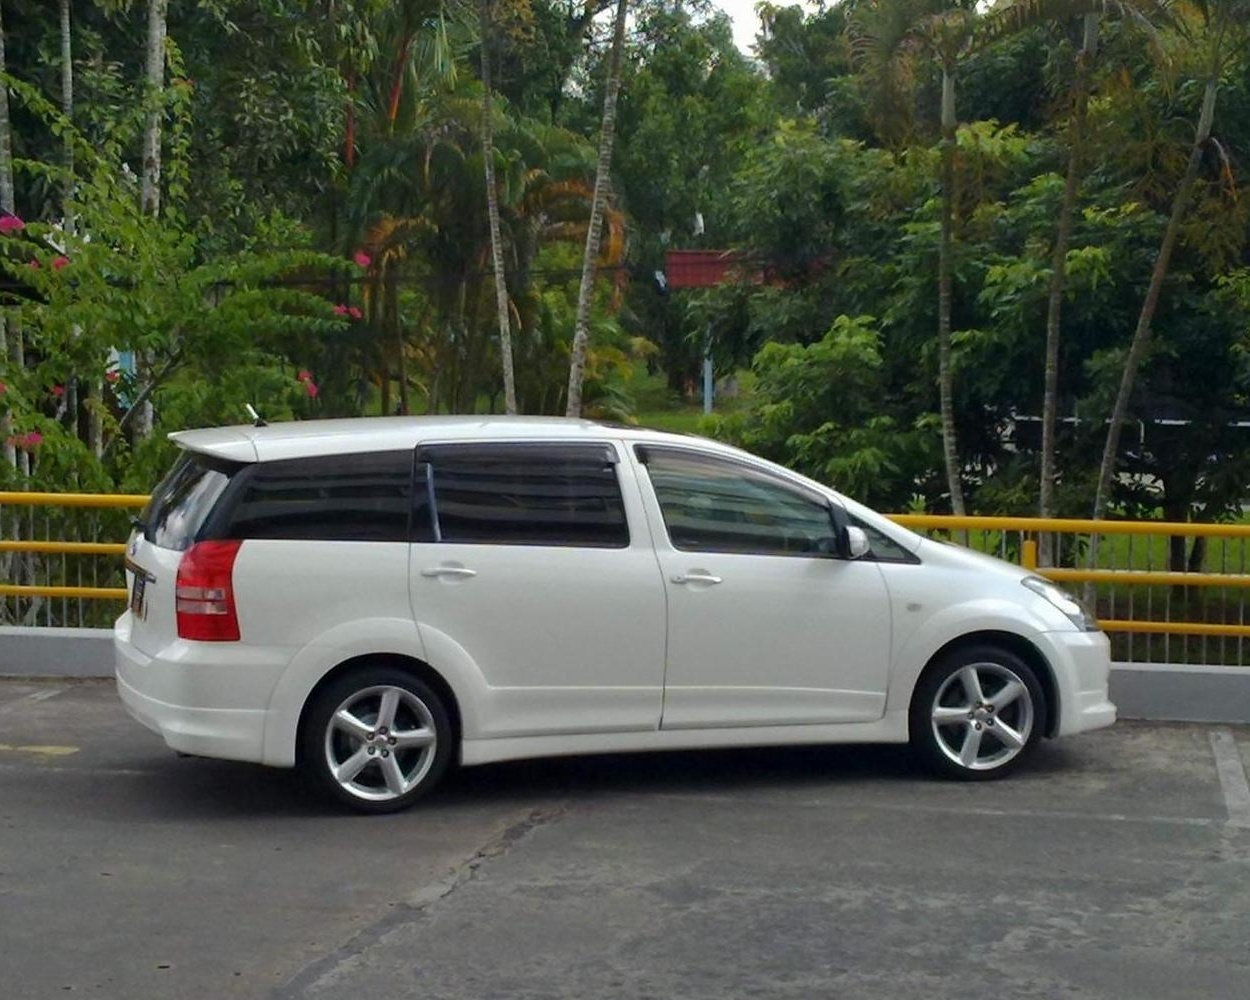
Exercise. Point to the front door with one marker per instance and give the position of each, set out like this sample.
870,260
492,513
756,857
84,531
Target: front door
534,566
767,626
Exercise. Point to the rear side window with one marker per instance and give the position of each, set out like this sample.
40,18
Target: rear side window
358,498
184,499
524,494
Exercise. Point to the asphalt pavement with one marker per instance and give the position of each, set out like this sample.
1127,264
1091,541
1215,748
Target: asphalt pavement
1116,865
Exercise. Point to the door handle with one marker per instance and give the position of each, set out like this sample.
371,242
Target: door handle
450,571
696,576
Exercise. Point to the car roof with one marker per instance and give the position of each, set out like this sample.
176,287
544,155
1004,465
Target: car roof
306,438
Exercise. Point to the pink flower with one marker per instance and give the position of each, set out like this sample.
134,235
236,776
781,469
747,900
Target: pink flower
32,440
11,224
58,391
362,259
59,262
3,388
354,313
112,376
304,375
34,265
311,388
340,310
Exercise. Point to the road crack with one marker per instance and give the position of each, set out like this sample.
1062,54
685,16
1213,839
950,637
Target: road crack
322,972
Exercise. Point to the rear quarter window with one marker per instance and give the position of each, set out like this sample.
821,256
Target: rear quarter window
184,499
358,498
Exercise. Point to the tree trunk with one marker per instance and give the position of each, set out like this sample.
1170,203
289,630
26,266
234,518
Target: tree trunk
1141,336
1058,277
150,184
6,204
492,212
151,179
581,327
6,134
946,388
67,109
392,294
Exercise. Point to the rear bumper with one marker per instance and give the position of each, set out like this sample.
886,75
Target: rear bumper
167,694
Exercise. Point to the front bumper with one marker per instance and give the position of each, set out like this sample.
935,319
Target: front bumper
1082,667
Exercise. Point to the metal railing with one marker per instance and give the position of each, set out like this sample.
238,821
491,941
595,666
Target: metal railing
60,561
61,564
1153,612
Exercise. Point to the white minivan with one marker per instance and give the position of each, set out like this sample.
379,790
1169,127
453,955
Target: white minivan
373,599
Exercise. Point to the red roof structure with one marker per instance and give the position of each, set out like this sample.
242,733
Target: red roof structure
708,268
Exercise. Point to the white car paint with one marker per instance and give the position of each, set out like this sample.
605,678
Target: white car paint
565,650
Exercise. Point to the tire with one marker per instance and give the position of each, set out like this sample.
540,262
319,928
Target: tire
376,739
977,714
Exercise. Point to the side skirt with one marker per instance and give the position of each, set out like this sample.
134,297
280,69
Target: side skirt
890,729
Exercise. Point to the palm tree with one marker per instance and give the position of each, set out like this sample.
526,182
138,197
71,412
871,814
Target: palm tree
492,214
7,205
888,37
1017,16
155,76
1219,32
581,324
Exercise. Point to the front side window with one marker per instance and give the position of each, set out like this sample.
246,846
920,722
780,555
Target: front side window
715,505
352,498
525,494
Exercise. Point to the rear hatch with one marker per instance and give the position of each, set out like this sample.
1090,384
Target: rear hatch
171,523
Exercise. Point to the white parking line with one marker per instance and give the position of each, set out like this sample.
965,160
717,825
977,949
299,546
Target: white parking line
27,700
1232,774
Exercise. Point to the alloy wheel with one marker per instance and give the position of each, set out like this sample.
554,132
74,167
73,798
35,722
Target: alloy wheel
380,743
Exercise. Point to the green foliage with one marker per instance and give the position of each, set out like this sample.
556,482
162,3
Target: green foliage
298,135
819,408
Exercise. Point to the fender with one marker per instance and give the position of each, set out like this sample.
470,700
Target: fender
366,637
952,622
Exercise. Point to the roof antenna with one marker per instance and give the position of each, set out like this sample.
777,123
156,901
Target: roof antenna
257,419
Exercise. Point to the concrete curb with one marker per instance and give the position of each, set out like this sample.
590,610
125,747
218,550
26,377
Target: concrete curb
1160,692
55,652
1172,693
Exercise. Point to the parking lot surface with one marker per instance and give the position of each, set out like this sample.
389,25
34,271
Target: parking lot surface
1116,865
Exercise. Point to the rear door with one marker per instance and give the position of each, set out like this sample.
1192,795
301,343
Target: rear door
536,565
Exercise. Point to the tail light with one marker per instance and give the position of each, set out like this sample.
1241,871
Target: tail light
204,593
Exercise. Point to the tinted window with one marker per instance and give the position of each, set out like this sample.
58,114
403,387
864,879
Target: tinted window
183,500
357,498
884,548
527,494
710,505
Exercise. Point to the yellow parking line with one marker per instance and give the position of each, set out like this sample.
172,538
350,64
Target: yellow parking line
40,751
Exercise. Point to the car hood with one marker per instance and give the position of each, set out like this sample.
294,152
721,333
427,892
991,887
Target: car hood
956,556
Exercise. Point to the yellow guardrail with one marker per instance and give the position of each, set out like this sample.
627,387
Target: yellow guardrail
1028,529
98,500
1122,577
95,501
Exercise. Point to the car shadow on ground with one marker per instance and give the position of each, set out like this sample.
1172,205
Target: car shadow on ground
204,789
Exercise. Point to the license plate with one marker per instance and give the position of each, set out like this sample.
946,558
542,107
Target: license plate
138,604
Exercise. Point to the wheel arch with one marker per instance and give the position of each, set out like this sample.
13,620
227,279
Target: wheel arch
1015,643
410,664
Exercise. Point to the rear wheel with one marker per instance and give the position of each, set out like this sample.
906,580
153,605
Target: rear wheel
376,739
977,714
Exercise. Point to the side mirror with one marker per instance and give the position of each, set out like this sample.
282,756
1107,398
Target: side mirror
857,544
850,541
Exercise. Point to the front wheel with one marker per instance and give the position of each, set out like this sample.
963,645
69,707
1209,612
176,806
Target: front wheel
977,714
376,739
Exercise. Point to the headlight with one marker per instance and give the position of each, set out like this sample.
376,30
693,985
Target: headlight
1073,609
